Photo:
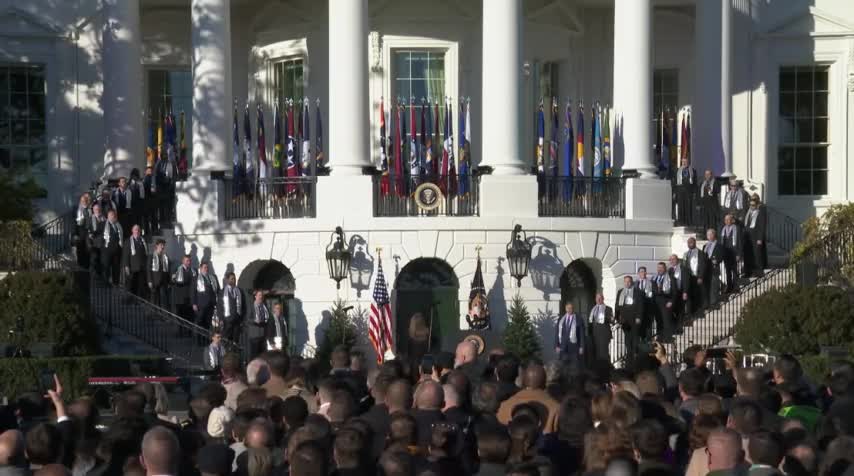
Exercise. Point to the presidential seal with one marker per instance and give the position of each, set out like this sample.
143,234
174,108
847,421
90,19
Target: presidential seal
428,196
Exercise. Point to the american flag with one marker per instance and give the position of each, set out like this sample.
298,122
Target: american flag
380,325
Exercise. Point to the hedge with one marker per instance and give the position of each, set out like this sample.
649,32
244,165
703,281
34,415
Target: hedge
55,310
17,248
797,320
23,375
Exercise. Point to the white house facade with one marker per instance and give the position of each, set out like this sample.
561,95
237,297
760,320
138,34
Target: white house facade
769,85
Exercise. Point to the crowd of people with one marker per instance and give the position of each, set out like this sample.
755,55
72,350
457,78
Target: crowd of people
462,413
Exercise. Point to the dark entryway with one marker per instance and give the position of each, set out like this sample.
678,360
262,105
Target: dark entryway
276,281
578,286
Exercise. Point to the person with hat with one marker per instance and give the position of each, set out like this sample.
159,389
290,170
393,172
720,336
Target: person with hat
755,227
215,460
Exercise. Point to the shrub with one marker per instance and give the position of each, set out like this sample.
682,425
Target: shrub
16,245
340,331
22,375
520,335
54,307
797,320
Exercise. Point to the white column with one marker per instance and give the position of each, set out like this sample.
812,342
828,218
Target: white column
122,97
348,87
502,87
633,83
212,98
726,85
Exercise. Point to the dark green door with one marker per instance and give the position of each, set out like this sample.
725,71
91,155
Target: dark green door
577,286
441,305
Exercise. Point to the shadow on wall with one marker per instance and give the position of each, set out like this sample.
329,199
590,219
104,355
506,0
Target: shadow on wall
299,323
361,266
497,308
544,321
545,267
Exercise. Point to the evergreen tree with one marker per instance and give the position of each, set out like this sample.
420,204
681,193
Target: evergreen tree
340,331
520,335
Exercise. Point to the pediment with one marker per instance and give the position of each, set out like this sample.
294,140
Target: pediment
17,22
555,13
810,22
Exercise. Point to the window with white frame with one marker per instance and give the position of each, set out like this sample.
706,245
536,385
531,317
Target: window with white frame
665,98
23,144
287,80
803,140
171,90
418,74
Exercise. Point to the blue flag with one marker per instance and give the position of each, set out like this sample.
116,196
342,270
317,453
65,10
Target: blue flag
464,149
568,153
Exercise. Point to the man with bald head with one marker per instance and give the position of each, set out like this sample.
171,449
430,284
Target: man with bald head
161,453
12,461
259,434
465,360
533,393
726,454
429,402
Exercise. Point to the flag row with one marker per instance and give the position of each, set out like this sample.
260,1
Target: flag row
166,141
673,140
425,152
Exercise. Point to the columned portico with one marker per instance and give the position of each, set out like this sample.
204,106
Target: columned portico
122,99
211,33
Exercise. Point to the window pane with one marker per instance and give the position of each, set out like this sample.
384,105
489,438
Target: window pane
803,158
18,79
418,65
36,133
787,79
36,79
787,131
820,130
804,79
820,104
819,158
804,104
5,134
786,179
819,182
821,79
786,158
804,131
401,64
803,183
18,105
36,106
787,104
38,160
19,132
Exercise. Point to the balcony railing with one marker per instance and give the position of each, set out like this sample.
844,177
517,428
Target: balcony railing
280,197
600,197
460,197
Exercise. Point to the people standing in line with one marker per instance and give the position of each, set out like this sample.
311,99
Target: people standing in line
629,314
735,201
709,201
255,326
697,263
112,252
755,230
150,205
159,275
685,187
665,298
183,283
205,296
136,200
733,251
569,336
105,201
682,279
714,272
276,331
135,262
82,220
232,308
647,287
95,236
600,320
122,198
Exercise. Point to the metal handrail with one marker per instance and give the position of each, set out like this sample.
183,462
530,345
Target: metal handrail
783,230
597,197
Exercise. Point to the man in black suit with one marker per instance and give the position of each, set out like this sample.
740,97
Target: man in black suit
735,201
629,314
183,281
712,278
255,326
112,251
685,185
429,401
755,229
95,232
150,205
733,250
697,263
205,295
647,288
165,173
276,330
569,336
682,278
665,302
232,308
122,197
709,202
135,262
601,319
158,275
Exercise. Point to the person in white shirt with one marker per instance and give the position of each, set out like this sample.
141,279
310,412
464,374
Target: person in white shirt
601,319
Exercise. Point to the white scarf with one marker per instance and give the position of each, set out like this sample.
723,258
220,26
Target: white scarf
626,297
663,281
226,295
677,273
730,194
133,245
82,213
732,237
107,229
136,184
179,274
573,337
200,282
279,322
597,314
679,177
155,262
752,215
707,185
693,260
260,313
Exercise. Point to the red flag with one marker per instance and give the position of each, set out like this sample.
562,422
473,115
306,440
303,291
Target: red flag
399,184
290,153
385,185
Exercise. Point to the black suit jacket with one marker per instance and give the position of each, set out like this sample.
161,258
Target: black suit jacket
208,298
609,315
685,278
579,333
692,178
672,292
139,260
734,242
270,330
424,420
628,314
702,262
760,227
184,291
254,330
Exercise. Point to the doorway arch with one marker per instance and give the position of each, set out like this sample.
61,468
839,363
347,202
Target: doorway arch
428,286
578,286
277,283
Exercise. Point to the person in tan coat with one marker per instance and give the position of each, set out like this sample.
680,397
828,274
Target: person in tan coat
534,393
